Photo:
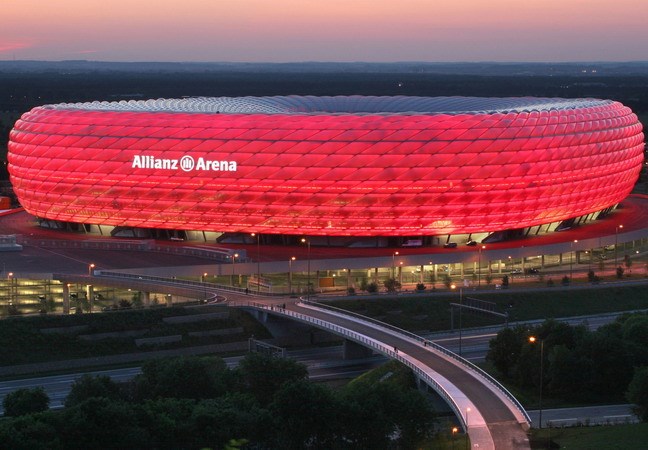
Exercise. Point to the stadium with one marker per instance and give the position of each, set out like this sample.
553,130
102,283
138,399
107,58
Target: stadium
405,168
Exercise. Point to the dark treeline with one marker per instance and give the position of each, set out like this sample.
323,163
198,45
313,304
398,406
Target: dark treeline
198,403
579,365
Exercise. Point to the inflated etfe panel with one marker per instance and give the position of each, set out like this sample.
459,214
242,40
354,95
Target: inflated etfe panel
365,166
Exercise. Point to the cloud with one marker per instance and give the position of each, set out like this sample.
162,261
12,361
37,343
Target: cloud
6,47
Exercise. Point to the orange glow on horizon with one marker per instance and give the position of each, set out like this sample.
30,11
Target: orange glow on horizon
292,30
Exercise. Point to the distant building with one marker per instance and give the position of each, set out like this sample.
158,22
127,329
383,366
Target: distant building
327,166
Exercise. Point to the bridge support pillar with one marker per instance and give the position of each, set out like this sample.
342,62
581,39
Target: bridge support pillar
66,298
169,300
352,350
146,298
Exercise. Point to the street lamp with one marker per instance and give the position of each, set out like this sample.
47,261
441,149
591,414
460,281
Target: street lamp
290,261
394,264
234,256
90,269
454,436
571,257
479,266
308,285
454,286
533,339
616,243
202,280
258,237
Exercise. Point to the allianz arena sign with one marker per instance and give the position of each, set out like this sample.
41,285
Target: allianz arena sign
336,166
187,163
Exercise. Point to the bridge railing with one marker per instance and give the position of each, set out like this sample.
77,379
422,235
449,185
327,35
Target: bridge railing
368,342
167,280
430,344
183,282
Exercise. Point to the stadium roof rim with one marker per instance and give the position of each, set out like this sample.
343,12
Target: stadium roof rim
343,105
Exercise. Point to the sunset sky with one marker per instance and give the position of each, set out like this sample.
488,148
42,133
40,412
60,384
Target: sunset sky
325,30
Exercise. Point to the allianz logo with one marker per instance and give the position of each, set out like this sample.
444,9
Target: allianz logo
187,164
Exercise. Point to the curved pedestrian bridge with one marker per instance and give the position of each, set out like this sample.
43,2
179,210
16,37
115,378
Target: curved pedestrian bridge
493,418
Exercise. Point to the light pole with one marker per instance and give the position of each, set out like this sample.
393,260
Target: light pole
290,261
258,237
571,257
454,436
616,243
308,286
454,286
533,339
234,256
90,269
479,267
202,280
394,264
467,439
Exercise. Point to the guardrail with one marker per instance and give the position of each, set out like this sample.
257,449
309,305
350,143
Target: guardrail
430,344
368,342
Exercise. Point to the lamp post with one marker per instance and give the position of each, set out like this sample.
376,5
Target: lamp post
467,439
202,280
454,286
308,287
454,436
394,264
533,340
290,261
571,257
479,266
258,237
90,269
616,243
234,256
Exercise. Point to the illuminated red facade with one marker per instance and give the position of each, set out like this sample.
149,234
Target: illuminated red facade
366,166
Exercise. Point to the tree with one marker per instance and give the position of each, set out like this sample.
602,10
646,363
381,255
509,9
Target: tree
263,375
489,279
637,392
306,415
186,377
89,386
504,349
619,272
392,284
420,287
216,422
383,414
25,401
565,281
505,281
372,287
628,263
41,431
102,423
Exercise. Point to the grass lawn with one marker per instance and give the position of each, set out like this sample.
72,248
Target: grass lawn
616,437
